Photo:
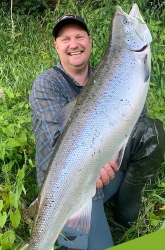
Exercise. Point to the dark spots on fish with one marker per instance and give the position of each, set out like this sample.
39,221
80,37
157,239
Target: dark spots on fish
93,154
39,217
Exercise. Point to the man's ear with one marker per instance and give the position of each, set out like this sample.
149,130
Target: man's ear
91,40
55,45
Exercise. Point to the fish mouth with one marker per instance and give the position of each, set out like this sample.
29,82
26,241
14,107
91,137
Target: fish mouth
142,49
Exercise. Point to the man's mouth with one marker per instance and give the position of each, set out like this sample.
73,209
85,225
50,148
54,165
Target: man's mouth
75,53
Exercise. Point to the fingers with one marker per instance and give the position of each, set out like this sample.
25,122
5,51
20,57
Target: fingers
113,165
99,183
107,173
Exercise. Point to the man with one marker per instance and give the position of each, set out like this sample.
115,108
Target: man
51,91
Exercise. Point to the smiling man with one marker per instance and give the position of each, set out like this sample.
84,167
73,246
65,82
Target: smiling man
73,44
52,91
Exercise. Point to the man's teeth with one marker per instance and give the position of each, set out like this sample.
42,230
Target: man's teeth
75,53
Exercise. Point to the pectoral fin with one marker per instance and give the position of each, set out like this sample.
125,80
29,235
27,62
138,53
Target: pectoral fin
33,208
64,114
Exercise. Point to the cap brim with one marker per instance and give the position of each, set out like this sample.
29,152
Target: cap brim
60,24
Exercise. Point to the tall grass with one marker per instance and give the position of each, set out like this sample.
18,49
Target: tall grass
26,50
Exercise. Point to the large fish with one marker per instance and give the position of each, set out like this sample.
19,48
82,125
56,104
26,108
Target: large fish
96,127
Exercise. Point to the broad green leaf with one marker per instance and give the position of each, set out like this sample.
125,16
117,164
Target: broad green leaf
9,130
2,152
23,189
154,219
13,143
31,163
21,104
1,205
1,133
162,184
154,223
8,167
3,218
15,218
26,105
23,138
7,240
10,94
5,196
13,200
19,189
152,216
21,173
163,225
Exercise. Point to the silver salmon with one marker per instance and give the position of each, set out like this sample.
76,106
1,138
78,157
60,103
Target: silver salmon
96,127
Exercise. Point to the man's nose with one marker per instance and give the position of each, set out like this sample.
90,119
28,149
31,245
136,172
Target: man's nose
73,43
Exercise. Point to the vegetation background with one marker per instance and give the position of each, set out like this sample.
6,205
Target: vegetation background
26,50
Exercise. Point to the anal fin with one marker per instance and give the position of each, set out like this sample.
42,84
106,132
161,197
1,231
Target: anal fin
82,218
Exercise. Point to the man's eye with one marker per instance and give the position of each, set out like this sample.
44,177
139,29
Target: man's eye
64,39
80,37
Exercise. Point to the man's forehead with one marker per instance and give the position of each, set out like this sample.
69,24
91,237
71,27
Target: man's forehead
71,29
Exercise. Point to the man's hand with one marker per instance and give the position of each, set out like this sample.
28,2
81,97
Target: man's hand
107,173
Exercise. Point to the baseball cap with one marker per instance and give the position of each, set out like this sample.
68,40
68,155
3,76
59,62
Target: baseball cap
67,19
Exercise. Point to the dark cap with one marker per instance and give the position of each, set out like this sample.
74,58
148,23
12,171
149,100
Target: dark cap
67,19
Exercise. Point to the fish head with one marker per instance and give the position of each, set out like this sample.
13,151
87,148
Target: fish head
129,31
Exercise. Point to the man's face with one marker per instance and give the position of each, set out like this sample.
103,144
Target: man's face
73,46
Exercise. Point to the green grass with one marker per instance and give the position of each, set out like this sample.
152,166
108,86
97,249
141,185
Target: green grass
26,50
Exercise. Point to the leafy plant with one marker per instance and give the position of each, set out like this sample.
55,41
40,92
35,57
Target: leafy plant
16,154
